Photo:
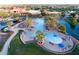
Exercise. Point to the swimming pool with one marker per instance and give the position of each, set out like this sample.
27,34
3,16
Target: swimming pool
53,37
2,25
31,34
39,24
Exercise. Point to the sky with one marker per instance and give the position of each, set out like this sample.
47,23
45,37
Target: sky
39,1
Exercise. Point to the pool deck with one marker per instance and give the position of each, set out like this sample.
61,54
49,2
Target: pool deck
68,42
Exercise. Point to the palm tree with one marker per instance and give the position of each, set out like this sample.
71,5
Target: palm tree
47,23
72,21
53,23
29,22
62,29
40,36
15,16
9,24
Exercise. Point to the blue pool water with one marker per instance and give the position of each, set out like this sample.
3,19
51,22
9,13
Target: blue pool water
61,45
2,25
39,24
53,37
75,32
31,34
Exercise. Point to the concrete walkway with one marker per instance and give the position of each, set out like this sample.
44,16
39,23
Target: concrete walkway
25,38
7,44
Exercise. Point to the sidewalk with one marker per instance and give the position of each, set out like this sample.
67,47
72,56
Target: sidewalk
7,44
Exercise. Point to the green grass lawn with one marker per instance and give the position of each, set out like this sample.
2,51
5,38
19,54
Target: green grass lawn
3,38
75,51
18,48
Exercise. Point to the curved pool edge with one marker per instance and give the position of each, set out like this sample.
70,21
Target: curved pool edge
60,53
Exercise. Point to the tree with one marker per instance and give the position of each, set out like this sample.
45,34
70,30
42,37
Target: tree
29,15
47,22
39,36
78,21
36,8
3,14
14,15
29,22
43,13
62,29
62,14
9,24
51,22
73,14
72,21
